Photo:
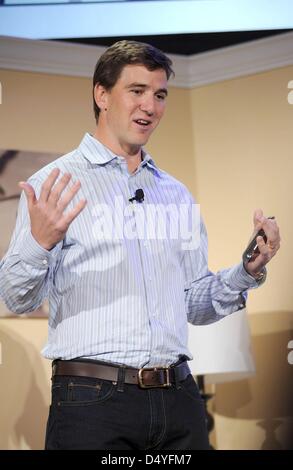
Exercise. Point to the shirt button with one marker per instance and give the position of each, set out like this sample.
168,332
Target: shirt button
44,262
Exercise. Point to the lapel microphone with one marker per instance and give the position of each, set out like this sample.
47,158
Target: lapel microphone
139,196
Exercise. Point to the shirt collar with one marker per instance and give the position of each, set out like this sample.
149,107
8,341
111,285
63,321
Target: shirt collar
147,160
96,153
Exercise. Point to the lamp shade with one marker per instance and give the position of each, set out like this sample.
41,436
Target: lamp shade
221,351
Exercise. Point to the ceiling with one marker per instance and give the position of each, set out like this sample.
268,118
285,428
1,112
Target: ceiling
186,44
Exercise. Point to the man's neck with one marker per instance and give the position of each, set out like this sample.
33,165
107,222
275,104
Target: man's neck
132,156
133,163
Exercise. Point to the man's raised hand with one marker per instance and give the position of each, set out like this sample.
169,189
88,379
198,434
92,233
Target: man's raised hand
49,224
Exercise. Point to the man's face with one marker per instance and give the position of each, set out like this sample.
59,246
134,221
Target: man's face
135,106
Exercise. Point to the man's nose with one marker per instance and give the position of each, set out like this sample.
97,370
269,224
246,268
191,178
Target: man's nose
148,105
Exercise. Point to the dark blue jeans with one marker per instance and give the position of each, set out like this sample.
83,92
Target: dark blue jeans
89,413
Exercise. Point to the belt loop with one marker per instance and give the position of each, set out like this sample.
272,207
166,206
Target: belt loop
121,379
54,365
176,378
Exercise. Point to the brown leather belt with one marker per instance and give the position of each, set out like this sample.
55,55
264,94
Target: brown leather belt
145,378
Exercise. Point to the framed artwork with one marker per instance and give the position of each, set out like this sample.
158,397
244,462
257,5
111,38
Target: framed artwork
15,166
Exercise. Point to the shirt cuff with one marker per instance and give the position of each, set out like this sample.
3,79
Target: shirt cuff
238,279
34,254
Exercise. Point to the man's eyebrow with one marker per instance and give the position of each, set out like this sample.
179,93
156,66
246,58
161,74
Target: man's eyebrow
142,85
163,90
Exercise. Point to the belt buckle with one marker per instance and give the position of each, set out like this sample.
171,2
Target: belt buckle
163,385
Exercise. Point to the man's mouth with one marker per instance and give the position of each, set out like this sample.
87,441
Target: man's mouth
143,123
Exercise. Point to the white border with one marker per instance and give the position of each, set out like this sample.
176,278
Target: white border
144,18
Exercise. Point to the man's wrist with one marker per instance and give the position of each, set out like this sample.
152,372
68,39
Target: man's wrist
259,276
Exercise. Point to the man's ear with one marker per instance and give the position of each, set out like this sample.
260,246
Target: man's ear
101,95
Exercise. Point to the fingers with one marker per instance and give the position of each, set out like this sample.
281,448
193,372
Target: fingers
258,218
263,250
75,211
257,263
270,228
50,196
29,192
48,185
48,222
269,249
68,196
56,192
273,235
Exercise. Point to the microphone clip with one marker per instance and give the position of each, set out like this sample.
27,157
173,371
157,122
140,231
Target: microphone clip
139,196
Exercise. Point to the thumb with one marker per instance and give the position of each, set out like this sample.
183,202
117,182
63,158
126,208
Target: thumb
258,219
29,192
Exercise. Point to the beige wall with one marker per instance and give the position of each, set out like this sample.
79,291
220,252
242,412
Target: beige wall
243,137
51,113
230,143
25,383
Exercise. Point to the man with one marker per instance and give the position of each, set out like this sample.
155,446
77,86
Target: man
119,299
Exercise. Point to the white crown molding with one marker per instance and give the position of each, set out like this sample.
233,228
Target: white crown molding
52,57
241,60
191,71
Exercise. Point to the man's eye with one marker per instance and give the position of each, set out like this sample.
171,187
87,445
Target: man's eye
137,92
161,97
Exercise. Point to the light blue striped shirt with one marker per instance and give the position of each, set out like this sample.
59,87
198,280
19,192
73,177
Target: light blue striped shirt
117,299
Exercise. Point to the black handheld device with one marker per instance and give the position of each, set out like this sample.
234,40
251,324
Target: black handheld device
252,248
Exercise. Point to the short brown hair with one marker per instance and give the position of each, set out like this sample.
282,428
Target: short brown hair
122,53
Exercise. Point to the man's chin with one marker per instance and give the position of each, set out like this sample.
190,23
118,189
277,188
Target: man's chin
139,140
142,139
